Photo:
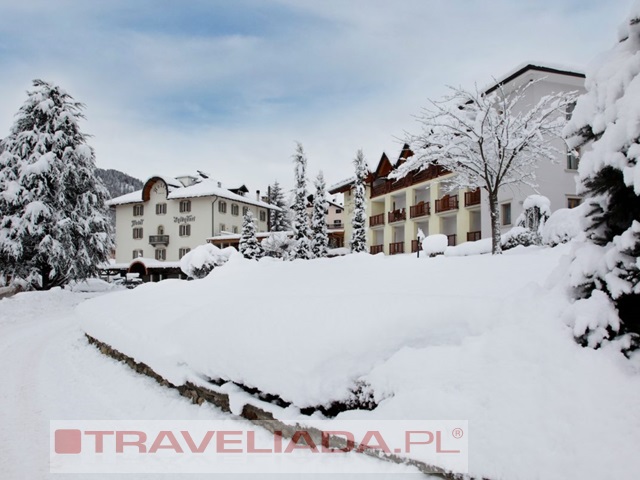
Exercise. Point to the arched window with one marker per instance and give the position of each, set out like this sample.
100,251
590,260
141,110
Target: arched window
160,230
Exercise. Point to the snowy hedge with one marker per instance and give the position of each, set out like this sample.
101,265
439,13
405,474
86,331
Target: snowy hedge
200,261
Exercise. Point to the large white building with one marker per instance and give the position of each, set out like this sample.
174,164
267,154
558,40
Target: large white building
398,208
159,224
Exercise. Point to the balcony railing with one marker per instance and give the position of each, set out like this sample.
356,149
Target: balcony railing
473,236
451,240
419,210
415,246
472,198
380,189
376,220
396,247
159,240
447,203
334,226
397,215
373,249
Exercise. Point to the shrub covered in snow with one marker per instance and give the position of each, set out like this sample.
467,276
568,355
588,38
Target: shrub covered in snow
563,225
536,211
435,244
519,236
278,245
605,122
200,261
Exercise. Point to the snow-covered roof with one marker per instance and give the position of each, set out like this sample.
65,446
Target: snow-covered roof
539,66
341,184
236,236
147,262
203,188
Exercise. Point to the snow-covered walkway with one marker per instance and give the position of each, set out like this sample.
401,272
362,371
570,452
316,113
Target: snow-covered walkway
49,372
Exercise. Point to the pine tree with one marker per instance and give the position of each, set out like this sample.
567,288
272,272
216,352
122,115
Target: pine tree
358,222
54,226
320,239
249,246
301,230
605,268
279,220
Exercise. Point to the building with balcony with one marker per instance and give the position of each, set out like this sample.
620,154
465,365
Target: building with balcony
159,224
422,200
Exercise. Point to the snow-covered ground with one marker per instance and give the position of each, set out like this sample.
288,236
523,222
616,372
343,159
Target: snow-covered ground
480,338
49,372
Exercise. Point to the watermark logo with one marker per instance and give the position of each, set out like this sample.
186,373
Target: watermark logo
229,446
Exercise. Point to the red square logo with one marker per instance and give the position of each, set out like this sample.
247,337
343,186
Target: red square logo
68,441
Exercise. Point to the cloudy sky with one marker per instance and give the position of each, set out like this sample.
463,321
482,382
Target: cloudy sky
229,86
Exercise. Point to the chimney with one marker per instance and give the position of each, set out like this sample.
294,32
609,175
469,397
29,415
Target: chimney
258,195
219,184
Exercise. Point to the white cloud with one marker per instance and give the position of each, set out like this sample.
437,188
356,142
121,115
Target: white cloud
348,76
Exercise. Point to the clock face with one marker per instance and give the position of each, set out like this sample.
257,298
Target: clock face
159,188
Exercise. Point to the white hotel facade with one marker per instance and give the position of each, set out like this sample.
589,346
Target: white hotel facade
159,224
420,201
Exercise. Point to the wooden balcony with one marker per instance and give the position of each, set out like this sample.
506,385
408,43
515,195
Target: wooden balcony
451,240
381,189
386,186
398,215
395,248
375,220
415,246
159,240
373,249
473,236
472,198
419,210
447,203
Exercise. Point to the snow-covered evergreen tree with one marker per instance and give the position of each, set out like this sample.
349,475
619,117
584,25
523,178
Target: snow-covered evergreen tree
606,267
249,246
279,220
54,226
320,240
358,222
488,140
301,229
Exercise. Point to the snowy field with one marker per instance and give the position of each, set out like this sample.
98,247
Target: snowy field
49,372
478,338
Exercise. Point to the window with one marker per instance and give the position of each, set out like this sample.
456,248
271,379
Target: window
137,233
185,206
337,223
244,211
161,254
573,160
222,207
263,216
235,229
138,210
338,211
160,230
183,251
234,209
223,227
573,202
137,254
505,213
161,208
185,230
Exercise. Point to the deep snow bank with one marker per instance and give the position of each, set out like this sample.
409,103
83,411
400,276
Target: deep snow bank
477,338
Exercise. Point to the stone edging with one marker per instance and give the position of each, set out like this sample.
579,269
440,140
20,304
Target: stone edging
260,417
